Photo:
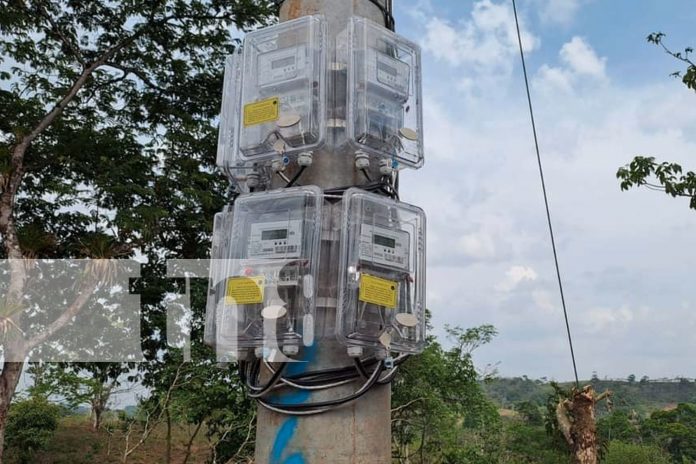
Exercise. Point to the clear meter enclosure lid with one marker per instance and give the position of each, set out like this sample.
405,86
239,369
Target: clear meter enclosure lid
382,273
265,258
282,101
228,136
385,113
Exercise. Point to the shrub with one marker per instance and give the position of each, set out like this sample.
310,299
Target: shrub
627,453
30,427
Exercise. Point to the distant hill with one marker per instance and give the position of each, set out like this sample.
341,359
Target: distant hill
642,396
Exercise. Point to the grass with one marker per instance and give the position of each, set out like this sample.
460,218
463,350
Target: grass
75,443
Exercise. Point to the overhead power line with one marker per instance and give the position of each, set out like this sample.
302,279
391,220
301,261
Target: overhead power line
546,196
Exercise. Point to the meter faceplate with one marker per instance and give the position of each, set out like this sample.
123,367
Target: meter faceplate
385,115
285,65
265,261
381,300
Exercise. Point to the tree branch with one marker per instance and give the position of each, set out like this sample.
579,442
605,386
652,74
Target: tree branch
404,406
70,45
136,72
83,296
250,428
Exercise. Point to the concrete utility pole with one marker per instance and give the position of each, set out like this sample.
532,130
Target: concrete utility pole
358,433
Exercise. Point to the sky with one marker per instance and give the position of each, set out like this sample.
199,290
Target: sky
602,95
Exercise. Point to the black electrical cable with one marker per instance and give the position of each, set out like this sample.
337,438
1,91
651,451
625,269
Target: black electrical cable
321,406
386,12
546,197
296,177
257,392
366,174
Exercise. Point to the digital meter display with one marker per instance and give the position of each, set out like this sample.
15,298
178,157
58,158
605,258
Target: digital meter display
282,63
283,66
384,247
388,74
382,66
274,234
384,241
275,240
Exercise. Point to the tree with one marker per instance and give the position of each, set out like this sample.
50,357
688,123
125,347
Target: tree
106,108
619,425
646,171
439,410
628,453
572,417
207,398
30,427
674,431
530,413
93,384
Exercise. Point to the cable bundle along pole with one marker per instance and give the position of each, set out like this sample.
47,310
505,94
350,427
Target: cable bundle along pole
313,381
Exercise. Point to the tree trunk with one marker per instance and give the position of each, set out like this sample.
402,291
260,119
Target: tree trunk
168,451
97,412
576,420
9,379
584,428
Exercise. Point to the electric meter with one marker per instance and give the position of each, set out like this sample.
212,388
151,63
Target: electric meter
385,114
266,255
382,274
282,91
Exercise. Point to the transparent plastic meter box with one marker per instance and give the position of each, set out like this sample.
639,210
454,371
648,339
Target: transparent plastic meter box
265,260
228,137
282,97
385,114
382,274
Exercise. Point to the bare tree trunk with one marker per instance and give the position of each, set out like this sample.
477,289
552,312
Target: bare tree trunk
97,412
9,379
189,445
168,451
576,419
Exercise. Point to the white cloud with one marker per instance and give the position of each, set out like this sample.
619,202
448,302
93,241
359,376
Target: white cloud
582,58
606,320
559,11
555,78
516,275
626,257
477,245
579,62
544,301
487,40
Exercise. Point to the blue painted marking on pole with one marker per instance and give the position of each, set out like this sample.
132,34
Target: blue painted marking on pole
282,440
296,458
287,429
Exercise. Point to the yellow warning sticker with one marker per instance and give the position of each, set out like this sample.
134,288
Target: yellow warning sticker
261,111
245,290
378,291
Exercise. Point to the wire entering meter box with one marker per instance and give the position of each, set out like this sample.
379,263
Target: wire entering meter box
385,114
265,261
382,273
275,97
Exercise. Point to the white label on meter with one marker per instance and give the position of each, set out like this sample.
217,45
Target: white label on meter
387,247
280,66
387,73
282,239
